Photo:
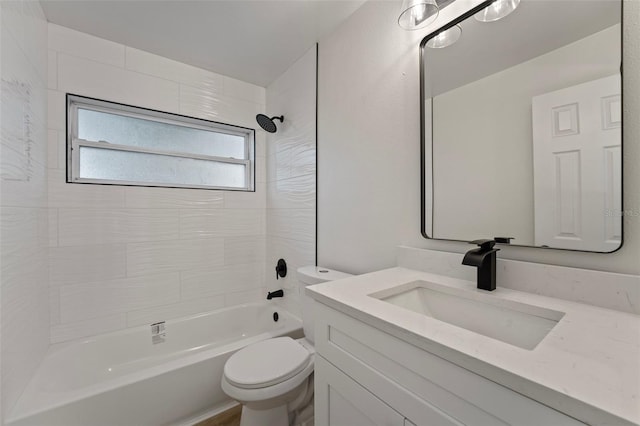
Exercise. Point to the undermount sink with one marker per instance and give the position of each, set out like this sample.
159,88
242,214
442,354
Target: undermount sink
511,322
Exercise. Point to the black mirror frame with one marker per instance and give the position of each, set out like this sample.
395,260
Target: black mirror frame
423,147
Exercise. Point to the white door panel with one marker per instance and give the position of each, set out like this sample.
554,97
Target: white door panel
577,166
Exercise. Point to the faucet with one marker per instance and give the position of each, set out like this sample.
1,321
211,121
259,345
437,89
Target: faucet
484,258
277,293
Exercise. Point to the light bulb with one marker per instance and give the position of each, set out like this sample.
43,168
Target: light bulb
497,10
445,38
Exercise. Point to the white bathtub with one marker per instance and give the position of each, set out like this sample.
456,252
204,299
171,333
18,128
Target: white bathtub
121,378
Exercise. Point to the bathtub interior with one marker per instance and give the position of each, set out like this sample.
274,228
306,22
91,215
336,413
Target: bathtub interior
78,370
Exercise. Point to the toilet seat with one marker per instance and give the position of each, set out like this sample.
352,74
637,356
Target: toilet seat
266,363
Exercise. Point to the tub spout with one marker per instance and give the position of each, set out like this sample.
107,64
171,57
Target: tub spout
277,293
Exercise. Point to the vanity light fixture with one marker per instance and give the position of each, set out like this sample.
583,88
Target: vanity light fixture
496,10
445,38
416,14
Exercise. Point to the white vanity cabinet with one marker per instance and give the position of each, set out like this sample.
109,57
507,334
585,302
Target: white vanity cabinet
365,376
345,402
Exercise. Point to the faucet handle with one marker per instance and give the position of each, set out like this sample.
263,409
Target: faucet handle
503,240
485,245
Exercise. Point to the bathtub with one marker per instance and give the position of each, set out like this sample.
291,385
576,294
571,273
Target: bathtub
122,378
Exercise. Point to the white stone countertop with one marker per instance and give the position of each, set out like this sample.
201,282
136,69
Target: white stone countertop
588,366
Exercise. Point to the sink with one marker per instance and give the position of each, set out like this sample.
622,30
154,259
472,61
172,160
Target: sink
516,323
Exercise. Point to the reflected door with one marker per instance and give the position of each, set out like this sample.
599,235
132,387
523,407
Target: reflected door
577,166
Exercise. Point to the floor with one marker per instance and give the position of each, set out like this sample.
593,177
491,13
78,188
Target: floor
231,417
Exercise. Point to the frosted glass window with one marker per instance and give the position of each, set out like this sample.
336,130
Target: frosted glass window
123,130
107,164
117,144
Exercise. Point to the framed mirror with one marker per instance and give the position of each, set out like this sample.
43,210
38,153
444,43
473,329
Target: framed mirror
522,126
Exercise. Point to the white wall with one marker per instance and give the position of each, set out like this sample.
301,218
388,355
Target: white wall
127,256
473,198
23,201
369,155
291,168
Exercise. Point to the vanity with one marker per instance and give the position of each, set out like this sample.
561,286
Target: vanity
403,346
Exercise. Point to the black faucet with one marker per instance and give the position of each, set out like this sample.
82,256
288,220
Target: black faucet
277,293
484,258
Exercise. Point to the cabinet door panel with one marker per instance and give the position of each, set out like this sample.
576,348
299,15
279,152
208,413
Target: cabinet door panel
342,402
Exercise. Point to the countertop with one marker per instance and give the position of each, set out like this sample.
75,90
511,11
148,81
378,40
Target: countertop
588,366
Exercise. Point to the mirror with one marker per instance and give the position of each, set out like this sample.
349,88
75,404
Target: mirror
522,127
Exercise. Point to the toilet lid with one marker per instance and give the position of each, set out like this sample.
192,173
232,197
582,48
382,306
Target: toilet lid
266,363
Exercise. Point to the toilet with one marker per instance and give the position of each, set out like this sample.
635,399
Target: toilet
273,379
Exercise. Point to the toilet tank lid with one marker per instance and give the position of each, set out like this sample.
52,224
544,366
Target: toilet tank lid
317,274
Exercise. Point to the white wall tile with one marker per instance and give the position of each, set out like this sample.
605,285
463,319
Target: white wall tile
79,195
303,160
279,166
247,296
62,39
52,149
83,301
292,224
148,63
204,282
221,223
24,230
292,193
247,200
53,227
27,189
24,114
243,90
24,218
25,322
153,198
35,37
85,227
54,305
175,310
57,104
217,107
86,263
89,78
261,169
261,142
243,250
86,328
170,256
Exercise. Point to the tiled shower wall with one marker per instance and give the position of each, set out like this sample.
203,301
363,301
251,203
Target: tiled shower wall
291,176
23,202
127,256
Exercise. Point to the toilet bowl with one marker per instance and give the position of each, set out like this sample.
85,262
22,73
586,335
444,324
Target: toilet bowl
273,379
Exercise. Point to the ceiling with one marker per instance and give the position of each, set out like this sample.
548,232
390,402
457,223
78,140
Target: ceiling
536,27
251,40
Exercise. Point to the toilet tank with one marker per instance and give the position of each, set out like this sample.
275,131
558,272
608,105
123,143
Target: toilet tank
309,275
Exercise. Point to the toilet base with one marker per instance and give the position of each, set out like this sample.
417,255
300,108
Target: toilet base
291,409
276,416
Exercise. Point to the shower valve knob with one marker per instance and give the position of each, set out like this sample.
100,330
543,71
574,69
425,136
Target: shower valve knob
281,269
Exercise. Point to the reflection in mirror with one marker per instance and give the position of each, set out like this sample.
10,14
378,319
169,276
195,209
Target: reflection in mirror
522,128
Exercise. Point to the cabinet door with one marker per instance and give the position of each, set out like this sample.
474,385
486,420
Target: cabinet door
340,401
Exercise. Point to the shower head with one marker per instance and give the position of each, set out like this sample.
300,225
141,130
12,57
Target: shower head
267,123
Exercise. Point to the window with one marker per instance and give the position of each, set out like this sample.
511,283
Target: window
109,143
